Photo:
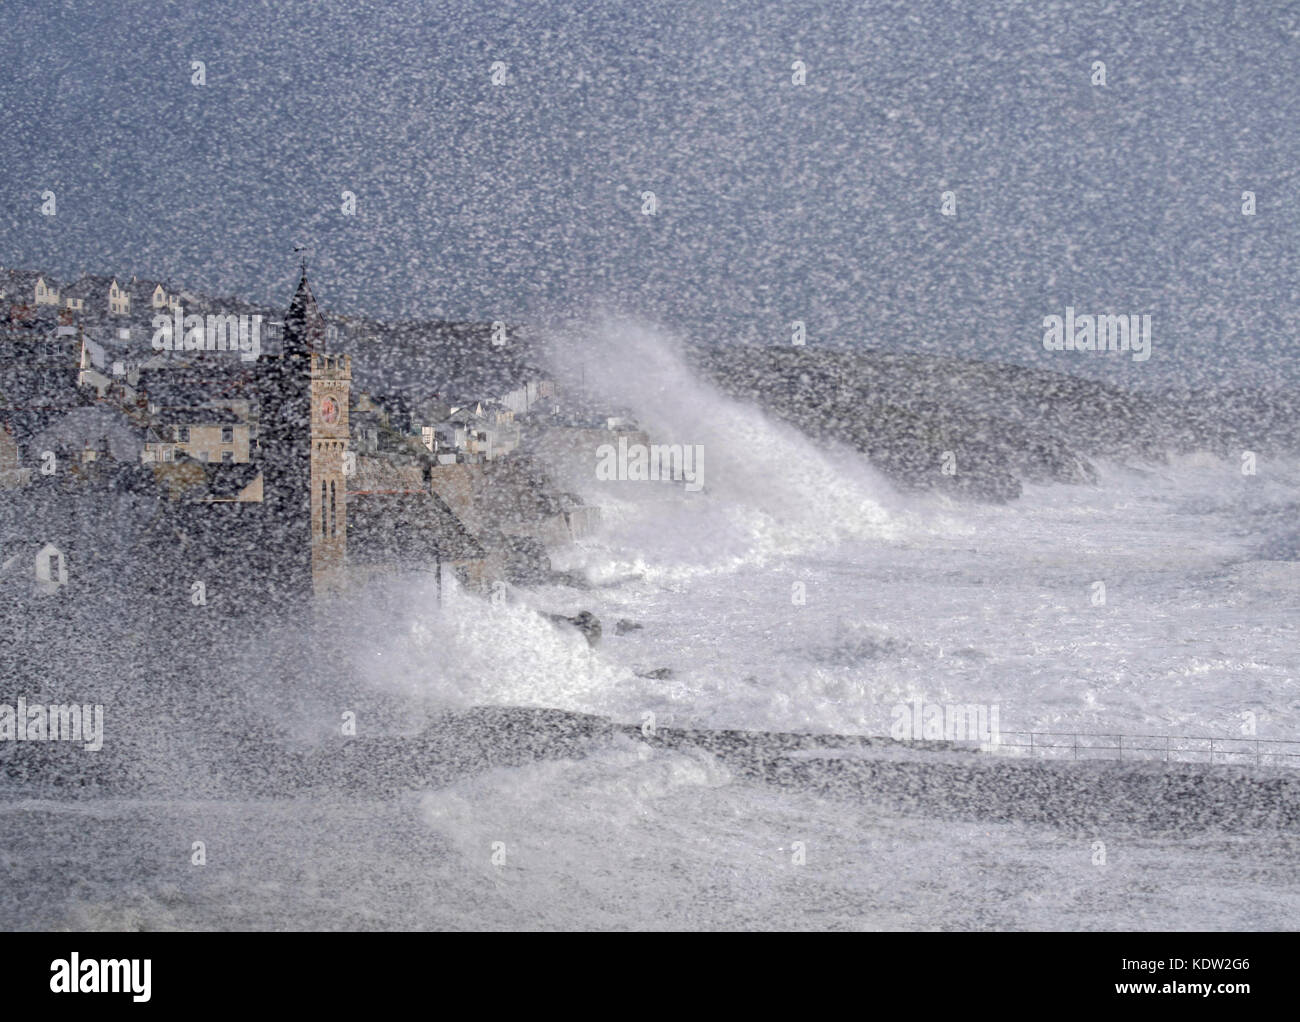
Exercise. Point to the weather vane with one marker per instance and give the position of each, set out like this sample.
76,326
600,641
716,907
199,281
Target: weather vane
303,250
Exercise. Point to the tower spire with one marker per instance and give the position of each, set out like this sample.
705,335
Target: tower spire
304,326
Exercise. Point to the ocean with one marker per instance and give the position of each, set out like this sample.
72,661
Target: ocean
797,590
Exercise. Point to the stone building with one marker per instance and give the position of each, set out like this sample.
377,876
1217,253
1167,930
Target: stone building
304,440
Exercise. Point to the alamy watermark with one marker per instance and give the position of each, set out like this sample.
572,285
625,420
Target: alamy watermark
61,723
952,722
75,975
659,462
1098,333
213,332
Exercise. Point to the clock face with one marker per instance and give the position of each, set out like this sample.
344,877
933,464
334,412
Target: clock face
329,410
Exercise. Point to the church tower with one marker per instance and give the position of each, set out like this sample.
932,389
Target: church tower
331,381
305,437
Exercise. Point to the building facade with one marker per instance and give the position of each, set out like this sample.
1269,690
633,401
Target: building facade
331,381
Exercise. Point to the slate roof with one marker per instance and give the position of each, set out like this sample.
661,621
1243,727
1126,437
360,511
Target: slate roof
14,282
197,416
415,527
142,289
85,288
89,425
93,523
229,379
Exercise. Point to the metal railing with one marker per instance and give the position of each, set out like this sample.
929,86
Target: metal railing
1169,748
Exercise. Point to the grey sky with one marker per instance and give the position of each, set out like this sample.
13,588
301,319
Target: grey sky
776,202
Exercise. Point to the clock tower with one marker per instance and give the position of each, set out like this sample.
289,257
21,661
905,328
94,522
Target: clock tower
305,438
331,381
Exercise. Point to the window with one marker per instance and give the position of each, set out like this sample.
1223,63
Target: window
227,434
227,457
324,509
334,510
182,434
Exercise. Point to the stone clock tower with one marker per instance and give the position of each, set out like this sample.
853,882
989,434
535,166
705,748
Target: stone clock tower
331,381
304,437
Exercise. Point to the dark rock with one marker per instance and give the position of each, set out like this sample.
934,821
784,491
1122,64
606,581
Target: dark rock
975,430
585,621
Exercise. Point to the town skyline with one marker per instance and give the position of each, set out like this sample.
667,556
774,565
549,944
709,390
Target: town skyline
91,405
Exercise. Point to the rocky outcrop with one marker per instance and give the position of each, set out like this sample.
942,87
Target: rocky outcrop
973,429
585,621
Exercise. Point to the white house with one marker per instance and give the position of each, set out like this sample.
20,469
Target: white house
47,292
51,569
119,299
157,295
47,566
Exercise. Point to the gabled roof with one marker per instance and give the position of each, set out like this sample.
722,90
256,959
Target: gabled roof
108,338
86,287
88,426
103,351
18,289
25,279
144,288
95,280
463,417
